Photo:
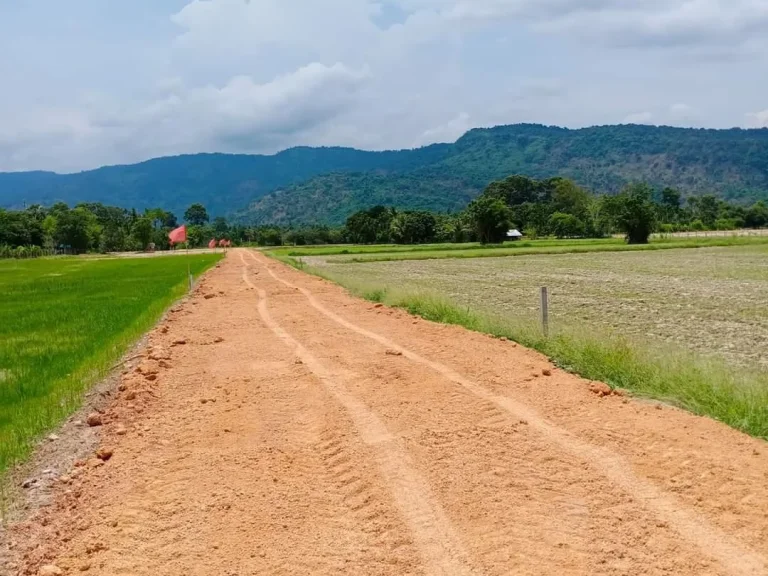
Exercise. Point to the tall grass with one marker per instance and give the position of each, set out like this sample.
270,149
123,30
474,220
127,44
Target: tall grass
702,385
63,323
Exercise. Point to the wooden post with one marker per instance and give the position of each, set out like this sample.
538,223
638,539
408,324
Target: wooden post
545,311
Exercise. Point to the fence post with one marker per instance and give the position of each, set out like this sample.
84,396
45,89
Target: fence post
545,311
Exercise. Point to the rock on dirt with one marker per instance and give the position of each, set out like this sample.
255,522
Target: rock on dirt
600,388
104,454
94,419
394,353
546,372
50,570
209,296
179,342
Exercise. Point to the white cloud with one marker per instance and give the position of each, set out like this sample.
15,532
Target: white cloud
448,132
259,75
758,119
638,118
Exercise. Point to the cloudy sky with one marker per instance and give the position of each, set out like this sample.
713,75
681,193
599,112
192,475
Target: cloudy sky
93,82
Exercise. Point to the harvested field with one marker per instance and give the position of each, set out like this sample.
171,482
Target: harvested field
709,300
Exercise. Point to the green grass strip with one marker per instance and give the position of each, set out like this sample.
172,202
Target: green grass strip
702,385
64,322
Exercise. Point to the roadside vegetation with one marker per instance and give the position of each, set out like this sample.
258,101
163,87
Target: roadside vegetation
684,328
64,322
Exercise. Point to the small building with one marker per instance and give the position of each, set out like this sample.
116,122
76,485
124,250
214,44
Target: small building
514,235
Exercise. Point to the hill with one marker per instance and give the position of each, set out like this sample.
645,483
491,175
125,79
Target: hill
326,184
223,182
730,163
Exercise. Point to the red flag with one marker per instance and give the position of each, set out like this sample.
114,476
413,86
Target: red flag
212,243
178,236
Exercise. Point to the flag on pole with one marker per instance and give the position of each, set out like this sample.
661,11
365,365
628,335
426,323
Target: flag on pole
178,236
212,243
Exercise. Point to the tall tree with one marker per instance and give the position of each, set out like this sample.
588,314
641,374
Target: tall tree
633,212
491,218
196,215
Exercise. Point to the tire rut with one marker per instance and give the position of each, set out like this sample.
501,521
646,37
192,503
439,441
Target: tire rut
733,556
440,548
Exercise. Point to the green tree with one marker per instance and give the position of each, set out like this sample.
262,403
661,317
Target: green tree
490,217
633,212
196,215
757,215
416,227
72,227
566,225
220,227
670,205
708,210
141,232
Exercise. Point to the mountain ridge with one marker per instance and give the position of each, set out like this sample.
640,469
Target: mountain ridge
324,184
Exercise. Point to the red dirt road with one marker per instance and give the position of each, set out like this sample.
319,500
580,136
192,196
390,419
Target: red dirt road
325,435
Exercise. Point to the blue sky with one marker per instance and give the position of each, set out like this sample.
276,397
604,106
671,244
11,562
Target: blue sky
91,82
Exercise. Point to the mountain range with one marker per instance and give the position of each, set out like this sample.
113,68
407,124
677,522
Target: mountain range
324,185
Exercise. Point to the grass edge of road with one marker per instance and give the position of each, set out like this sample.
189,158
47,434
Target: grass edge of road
706,386
70,396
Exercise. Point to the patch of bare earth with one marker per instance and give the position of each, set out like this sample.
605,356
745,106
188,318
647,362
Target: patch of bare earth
280,426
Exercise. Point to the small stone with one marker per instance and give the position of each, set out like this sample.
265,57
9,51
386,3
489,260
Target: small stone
94,419
104,454
121,430
658,407
151,377
209,296
600,388
130,396
504,339
85,566
394,353
379,305
218,339
29,482
53,437
203,400
164,330
50,570
179,342
546,372
123,387
113,524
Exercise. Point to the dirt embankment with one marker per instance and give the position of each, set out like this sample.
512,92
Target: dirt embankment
275,425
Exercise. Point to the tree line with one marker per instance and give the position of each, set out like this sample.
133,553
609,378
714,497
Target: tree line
551,207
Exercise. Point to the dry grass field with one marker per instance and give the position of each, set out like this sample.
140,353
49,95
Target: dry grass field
710,300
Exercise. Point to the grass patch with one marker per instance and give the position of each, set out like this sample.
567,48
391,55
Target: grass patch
705,386
554,247
64,322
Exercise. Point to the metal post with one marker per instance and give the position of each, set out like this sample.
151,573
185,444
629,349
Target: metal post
545,311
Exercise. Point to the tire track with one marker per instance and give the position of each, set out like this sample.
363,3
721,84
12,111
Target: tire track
438,544
735,557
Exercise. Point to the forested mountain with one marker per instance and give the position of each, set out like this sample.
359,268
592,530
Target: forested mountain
223,182
327,184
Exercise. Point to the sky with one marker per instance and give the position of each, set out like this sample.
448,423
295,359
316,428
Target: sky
87,83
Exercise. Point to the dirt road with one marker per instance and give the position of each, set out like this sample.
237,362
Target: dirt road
292,429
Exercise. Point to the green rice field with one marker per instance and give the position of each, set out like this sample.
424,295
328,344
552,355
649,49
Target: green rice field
63,323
